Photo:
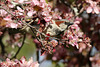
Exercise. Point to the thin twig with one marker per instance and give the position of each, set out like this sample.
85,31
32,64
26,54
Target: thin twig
36,36
31,27
27,24
24,36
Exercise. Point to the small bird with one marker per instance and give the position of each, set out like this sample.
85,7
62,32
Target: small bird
58,26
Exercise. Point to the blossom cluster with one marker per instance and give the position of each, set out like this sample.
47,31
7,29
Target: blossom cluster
18,13
93,7
38,17
21,63
95,60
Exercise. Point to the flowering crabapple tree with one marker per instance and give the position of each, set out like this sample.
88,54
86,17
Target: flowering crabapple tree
61,29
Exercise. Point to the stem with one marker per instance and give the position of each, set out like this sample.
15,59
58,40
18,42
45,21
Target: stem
38,55
37,52
20,47
89,62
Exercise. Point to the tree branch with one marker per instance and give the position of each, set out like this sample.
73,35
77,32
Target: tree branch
24,36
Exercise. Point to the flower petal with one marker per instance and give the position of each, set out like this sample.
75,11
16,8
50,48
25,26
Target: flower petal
96,10
89,10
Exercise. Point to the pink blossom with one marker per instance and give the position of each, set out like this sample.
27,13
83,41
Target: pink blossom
47,19
11,6
78,19
89,10
36,64
8,18
80,34
43,4
96,10
93,7
10,22
21,1
21,63
30,13
45,13
19,44
35,2
82,46
30,63
43,1
56,16
54,43
95,60
76,44
2,12
13,25
19,9
54,58
75,26
70,36
9,0
20,13
77,22
71,42
1,33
